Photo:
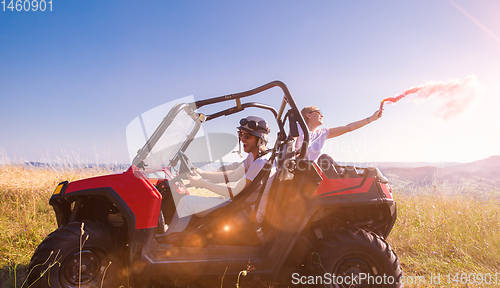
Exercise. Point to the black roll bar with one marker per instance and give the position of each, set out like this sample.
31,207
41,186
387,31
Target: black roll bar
237,96
235,109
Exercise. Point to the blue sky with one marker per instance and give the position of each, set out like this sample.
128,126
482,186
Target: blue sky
72,79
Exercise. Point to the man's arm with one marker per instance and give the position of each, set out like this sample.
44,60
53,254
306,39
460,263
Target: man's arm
223,190
218,177
337,131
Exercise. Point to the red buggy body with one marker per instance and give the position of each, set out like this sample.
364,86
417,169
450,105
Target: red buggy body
315,225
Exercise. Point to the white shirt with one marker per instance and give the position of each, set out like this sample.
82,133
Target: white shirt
261,211
317,139
253,167
252,171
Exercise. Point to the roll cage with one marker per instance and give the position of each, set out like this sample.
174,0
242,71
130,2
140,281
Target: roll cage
293,116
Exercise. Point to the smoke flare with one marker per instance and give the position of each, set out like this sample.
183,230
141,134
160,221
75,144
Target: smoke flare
454,95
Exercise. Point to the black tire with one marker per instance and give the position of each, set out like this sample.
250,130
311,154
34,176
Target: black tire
358,253
56,261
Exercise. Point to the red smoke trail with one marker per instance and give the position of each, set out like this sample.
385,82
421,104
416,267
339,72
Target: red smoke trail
455,94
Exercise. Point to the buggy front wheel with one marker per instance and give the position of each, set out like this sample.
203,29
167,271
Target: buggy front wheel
80,254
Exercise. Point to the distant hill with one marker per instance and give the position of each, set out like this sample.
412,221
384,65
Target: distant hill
112,167
415,164
483,174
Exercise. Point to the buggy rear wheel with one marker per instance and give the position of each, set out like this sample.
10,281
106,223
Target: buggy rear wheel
60,261
357,258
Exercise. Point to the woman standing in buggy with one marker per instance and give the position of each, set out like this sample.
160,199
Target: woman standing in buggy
317,136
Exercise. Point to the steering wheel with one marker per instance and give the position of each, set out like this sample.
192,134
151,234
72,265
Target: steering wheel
185,165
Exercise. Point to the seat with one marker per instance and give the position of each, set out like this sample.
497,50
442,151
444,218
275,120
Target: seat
350,172
327,164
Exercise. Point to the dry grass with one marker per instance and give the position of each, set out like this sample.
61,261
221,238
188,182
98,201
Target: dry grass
26,217
446,234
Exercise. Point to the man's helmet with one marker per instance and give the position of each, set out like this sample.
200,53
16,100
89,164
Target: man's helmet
256,126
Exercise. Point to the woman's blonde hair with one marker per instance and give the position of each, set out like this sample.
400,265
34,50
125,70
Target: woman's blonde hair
308,109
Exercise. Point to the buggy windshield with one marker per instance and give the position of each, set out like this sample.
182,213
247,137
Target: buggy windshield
155,137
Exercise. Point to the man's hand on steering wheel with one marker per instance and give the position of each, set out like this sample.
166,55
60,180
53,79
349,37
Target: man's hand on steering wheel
195,179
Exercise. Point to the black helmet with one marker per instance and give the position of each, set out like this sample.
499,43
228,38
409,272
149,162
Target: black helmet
256,126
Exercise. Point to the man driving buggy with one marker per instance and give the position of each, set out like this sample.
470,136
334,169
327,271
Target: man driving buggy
253,134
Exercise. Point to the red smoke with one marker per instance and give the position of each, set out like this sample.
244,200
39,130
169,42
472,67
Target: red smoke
454,94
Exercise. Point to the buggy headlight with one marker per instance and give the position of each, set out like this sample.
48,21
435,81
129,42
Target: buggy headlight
59,188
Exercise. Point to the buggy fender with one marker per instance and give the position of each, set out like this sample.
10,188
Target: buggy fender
131,190
133,195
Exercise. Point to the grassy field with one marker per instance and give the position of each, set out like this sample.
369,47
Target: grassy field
26,217
437,233
455,235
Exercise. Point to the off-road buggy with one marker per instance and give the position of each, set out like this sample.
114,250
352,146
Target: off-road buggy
322,226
